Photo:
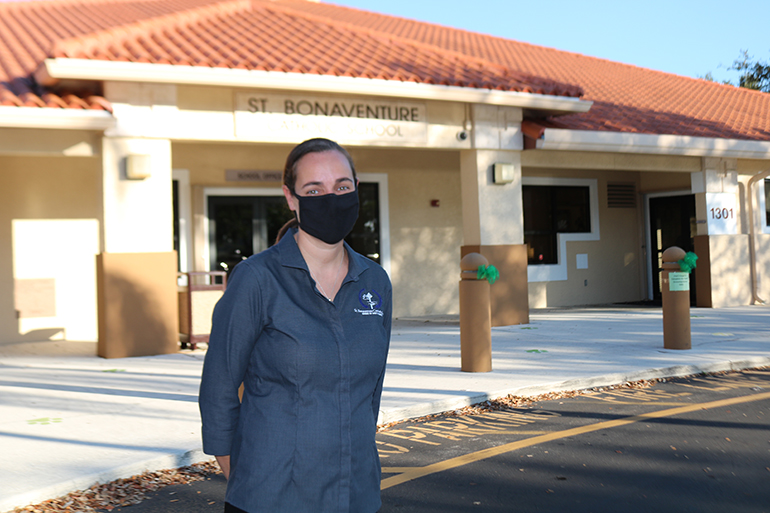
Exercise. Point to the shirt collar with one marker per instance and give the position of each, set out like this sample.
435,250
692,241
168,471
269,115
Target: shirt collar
291,256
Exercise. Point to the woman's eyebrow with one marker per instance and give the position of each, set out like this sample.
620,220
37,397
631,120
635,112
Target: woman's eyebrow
313,184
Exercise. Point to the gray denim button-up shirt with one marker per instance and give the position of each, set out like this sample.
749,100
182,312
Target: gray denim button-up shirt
302,440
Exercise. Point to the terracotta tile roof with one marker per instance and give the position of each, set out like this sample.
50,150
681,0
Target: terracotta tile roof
626,98
28,31
308,37
245,34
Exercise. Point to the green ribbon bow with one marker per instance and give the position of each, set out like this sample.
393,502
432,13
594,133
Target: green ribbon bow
489,273
687,264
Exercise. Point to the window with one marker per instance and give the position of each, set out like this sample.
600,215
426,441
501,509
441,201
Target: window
549,211
557,211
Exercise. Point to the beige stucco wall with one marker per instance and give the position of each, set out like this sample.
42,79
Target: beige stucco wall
615,265
663,182
425,240
49,235
206,113
207,162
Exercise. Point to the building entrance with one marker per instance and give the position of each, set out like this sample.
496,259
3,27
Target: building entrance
672,223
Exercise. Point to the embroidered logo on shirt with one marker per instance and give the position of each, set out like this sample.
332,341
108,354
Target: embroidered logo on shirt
370,301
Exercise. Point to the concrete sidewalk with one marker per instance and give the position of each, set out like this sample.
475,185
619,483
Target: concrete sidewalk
69,419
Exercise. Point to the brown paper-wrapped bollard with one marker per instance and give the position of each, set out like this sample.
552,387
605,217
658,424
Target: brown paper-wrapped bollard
475,316
675,293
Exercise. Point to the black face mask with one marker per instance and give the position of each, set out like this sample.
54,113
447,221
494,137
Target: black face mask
329,217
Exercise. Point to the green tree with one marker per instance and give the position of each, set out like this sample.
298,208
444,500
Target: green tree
754,74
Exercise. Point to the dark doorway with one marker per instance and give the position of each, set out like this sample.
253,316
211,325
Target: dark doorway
672,223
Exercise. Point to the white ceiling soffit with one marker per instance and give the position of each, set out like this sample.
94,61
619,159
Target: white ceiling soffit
617,142
41,117
86,69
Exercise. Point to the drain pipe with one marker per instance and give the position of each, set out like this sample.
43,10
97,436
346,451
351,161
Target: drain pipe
752,245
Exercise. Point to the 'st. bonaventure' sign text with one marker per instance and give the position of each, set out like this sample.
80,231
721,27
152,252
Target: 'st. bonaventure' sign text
293,117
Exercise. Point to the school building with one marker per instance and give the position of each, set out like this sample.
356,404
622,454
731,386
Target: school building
141,138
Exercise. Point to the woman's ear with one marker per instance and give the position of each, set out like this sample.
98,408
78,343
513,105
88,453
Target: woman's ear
290,199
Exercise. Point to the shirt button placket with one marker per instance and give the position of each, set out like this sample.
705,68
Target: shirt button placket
345,405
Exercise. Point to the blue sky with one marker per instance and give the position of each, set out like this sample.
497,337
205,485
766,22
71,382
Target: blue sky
685,37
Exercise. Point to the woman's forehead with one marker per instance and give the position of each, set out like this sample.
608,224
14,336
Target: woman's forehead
323,166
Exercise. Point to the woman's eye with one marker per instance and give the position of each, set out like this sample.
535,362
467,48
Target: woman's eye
343,188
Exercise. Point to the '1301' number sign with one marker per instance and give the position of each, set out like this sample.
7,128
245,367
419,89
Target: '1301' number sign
721,213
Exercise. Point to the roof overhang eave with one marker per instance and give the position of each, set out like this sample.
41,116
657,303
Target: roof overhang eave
619,142
87,69
43,117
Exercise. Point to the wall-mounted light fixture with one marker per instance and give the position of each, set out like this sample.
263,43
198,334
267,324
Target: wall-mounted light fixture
503,173
138,167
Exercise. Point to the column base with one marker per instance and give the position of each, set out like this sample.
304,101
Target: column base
137,304
722,275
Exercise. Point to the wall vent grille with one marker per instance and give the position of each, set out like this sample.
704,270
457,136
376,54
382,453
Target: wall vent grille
621,195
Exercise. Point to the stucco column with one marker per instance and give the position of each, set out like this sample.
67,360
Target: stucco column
136,268
492,213
723,274
493,219
138,213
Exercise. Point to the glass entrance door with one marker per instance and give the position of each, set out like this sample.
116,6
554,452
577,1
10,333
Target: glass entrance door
240,226
365,236
672,223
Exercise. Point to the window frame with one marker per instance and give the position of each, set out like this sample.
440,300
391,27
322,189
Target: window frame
558,271
763,206
182,177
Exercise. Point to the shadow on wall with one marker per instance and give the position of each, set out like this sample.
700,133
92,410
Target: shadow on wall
730,273
35,299
763,266
426,271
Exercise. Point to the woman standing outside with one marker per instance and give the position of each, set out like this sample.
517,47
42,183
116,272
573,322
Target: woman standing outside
305,326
